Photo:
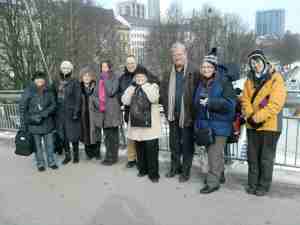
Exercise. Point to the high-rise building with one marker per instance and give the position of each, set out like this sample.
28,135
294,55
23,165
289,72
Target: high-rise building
131,8
134,14
270,22
177,8
154,10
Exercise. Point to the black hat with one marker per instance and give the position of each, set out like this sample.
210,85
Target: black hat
140,70
39,75
212,57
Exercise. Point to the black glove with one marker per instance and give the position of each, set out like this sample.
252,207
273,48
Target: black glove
75,116
35,119
253,124
133,83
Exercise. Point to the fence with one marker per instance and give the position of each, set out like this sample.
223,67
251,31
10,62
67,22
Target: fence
288,149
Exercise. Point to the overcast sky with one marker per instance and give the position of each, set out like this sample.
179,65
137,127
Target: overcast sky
246,9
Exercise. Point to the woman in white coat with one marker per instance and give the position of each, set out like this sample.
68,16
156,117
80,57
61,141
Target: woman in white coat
144,123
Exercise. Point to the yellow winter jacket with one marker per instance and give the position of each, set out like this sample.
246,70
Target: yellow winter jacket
274,90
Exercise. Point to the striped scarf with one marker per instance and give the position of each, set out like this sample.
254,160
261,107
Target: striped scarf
171,100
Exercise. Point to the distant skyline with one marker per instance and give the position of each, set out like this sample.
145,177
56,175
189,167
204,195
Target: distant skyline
246,11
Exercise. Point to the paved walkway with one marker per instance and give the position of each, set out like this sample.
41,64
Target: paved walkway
91,194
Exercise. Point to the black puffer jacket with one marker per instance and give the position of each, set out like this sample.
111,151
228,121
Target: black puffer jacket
37,110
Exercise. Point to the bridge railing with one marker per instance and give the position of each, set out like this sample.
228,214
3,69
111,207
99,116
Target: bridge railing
288,148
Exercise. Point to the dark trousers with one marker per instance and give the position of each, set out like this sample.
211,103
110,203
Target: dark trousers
261,156
182,148
111,142
147,158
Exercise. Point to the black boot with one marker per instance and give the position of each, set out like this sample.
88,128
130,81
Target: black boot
185,175
67,154
174,171
88,151
75,146
222,178
97,151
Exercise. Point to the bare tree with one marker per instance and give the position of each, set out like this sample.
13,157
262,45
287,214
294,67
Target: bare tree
287,49
67,30
207,28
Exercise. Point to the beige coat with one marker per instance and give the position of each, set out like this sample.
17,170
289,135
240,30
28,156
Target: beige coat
143,133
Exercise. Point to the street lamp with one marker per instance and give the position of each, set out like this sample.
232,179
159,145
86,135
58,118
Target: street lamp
209,11
11,74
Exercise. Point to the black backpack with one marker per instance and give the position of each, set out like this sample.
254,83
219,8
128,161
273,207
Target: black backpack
140,109
24,143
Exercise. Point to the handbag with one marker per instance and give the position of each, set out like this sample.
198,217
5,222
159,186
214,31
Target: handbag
24,143
204,136
140,109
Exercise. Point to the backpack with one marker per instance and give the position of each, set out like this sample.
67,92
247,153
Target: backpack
236,125
140,109
24,143
238,119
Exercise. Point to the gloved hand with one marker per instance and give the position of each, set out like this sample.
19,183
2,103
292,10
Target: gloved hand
35,119
254,124
75,116
134,84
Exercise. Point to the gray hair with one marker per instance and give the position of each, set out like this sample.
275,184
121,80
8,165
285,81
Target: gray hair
178,45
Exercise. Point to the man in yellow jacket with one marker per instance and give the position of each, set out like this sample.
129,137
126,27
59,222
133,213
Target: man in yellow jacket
263,99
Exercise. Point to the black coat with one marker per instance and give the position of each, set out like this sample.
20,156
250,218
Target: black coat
86,113
68,111
37,110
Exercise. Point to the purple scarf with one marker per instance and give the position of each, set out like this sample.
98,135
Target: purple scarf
101,91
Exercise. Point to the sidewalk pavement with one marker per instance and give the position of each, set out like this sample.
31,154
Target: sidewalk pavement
91,194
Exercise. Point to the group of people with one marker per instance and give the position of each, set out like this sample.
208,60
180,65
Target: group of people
193,97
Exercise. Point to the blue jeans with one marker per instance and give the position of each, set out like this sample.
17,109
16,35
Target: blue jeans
49,149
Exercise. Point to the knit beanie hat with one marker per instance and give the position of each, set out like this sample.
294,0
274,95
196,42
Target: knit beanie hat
212,57
256,55
66,67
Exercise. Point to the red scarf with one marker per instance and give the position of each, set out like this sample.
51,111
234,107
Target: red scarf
101,91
